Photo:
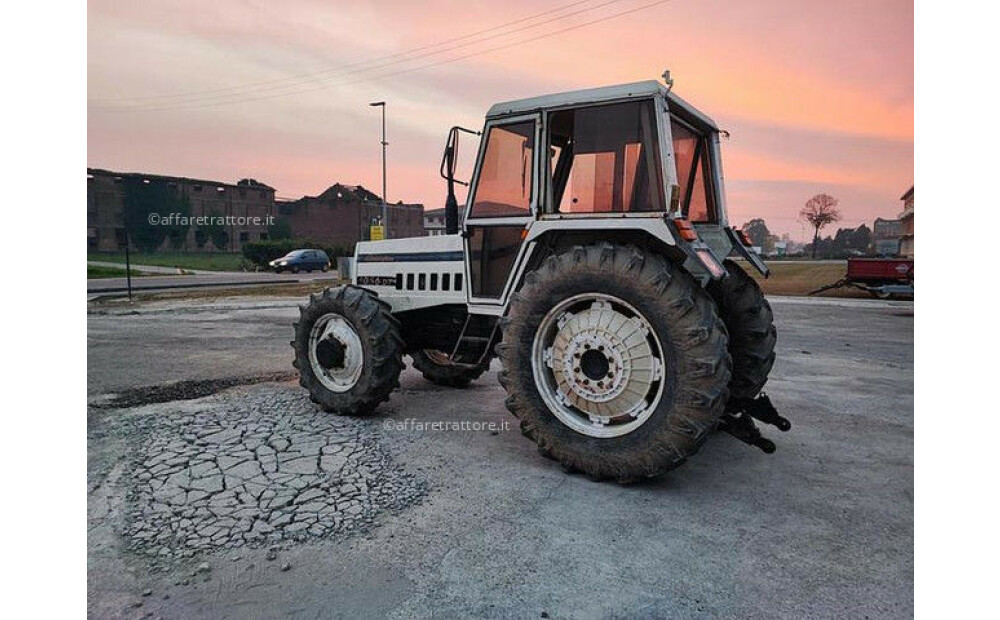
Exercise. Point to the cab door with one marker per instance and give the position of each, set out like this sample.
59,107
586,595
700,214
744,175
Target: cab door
501,205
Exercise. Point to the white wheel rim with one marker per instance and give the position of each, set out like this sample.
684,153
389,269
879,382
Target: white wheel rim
598,365
338,371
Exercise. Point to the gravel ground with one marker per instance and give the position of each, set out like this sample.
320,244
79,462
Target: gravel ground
230,496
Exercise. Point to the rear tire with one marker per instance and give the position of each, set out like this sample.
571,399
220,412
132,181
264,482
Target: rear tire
752,335
348,350
437,369
682,404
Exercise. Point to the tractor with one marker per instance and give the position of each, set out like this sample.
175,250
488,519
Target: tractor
595,259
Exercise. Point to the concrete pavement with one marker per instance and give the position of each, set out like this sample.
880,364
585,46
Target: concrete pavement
822,528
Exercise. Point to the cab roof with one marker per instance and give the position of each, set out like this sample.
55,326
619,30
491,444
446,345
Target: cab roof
634,90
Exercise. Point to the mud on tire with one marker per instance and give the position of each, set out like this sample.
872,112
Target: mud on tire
752,334
444,372
696,361
378,334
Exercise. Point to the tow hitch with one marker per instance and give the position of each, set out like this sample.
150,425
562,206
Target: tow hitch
738,421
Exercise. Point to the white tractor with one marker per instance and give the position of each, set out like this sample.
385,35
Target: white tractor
593,260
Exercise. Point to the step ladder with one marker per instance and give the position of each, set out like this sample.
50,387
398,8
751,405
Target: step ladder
476,339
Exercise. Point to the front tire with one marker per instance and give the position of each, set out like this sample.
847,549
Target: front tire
439,370
615,362
348,350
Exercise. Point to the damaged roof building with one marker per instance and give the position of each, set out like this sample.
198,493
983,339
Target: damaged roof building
342,215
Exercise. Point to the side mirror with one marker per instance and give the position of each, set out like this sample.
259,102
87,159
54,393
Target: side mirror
450,159
448,163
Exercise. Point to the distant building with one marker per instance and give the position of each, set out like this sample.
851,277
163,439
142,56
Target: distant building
342,215
240,202
906,219
885,236
434,223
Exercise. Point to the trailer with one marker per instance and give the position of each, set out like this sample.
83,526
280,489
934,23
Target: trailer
880,277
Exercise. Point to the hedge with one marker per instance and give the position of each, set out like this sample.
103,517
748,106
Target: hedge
260,253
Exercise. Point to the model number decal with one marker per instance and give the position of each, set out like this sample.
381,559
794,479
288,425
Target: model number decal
377,280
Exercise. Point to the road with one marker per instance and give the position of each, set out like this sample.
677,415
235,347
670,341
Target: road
434,523
160,269
202,280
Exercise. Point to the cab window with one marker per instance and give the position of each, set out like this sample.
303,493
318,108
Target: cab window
605,159
693,173
505,174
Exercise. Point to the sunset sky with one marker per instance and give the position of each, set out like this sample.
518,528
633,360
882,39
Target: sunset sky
818,95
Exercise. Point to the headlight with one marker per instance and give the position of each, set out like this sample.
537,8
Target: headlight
283,263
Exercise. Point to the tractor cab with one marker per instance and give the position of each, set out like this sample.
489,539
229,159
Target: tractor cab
632,160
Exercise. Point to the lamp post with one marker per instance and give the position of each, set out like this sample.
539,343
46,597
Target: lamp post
385,210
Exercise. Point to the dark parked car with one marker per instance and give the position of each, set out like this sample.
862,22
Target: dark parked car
301,260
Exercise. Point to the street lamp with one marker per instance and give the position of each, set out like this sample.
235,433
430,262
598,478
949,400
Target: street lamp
385,211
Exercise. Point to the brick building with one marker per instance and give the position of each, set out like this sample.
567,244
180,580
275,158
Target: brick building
906,218
240,203
342,215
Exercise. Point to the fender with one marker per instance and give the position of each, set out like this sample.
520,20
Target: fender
740,248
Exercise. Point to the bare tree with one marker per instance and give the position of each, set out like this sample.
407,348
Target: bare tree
819,211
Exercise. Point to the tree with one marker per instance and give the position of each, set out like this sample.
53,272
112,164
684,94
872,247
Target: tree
820,211
757,230
147,209
281,229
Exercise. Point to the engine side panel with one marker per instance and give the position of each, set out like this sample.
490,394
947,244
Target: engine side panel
413,273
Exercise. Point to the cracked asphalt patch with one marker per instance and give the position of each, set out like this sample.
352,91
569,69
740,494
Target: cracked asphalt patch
253,468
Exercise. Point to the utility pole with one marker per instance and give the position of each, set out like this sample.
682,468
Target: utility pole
128,263
385,210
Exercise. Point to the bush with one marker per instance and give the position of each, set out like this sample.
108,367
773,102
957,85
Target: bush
260,253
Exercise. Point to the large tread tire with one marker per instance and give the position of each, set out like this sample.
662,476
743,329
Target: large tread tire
450,374
693,338
379,333
752,335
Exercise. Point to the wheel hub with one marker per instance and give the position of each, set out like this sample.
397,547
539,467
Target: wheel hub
594,364
330,353
603,366
335,352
